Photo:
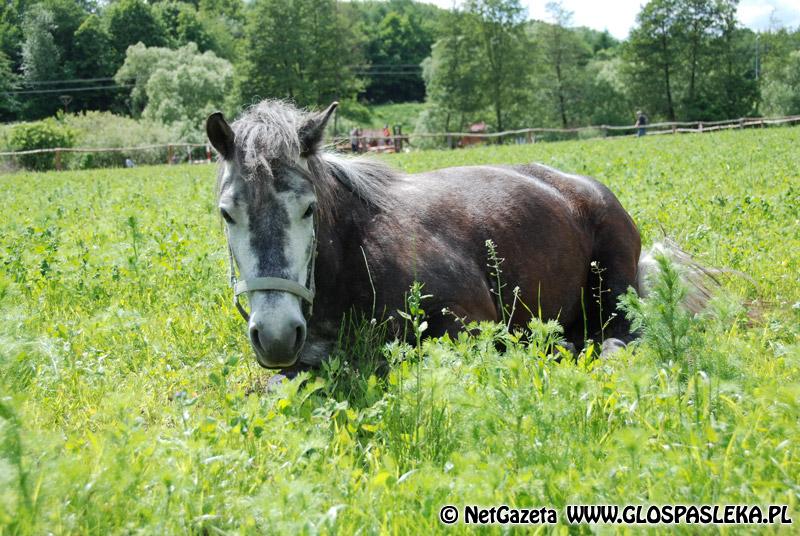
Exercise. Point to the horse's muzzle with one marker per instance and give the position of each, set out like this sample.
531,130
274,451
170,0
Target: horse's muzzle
277,345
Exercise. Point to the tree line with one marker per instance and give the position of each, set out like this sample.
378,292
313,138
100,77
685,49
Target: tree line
483,60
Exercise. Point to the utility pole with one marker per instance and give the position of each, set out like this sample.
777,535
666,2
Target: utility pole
65,100
757,59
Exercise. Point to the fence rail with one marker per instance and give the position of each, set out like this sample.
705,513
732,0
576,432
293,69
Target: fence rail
398,140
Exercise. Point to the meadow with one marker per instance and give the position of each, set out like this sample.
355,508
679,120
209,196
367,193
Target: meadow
130,401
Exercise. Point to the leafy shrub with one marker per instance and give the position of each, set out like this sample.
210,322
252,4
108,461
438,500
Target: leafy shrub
181,86
104,129
666,325
45,134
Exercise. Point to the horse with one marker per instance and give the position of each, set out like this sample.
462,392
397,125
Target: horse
317,235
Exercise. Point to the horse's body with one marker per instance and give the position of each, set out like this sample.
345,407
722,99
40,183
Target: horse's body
548,226
378,231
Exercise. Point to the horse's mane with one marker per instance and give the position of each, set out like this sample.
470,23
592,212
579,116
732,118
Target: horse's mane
266,134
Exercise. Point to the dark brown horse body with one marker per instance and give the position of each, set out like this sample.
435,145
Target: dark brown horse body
377,231
548,226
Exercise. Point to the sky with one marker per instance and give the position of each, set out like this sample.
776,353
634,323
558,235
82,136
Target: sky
618,16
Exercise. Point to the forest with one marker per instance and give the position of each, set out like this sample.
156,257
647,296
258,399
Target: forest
168,63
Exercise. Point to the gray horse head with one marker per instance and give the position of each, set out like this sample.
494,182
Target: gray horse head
267,197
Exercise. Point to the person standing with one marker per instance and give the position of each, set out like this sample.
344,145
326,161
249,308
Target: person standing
641,123
387,139
354,135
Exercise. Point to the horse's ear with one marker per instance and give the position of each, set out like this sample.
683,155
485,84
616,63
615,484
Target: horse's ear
220,135
312,130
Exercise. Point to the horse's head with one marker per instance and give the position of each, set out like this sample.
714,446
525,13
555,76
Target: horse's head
267,198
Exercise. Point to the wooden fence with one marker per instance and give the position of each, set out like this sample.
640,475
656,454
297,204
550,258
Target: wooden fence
526,135
599,131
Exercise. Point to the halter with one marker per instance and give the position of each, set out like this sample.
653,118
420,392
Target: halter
276,283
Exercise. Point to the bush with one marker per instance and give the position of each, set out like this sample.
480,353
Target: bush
45,134
104,129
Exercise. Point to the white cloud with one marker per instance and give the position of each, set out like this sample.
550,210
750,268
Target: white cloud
763,14
619,16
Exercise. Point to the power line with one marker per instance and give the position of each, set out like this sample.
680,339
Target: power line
63,90
377,68
73,81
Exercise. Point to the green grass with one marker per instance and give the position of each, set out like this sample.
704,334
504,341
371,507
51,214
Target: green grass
130,401
404,114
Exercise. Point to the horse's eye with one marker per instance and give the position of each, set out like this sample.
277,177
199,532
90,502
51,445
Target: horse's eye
226,216
309,210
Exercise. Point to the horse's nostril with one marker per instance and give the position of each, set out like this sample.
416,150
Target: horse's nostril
300,337
255,339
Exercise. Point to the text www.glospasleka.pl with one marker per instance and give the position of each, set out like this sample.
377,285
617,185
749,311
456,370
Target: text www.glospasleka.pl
588,514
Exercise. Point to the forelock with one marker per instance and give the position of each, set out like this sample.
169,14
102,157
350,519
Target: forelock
266,134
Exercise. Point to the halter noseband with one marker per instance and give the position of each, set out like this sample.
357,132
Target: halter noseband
276,283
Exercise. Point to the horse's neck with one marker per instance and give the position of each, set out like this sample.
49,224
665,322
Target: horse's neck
334,264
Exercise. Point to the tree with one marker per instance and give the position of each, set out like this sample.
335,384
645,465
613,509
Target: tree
9,105
11,17
695,23
40,60
40,55
183,24
733,87
68,15
653,55
94,57
453,75
303,50
179,86
499,27
93,50
131,22
781,93
402,41
565,56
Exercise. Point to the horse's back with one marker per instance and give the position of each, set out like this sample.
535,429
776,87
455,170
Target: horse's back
447,216
548,226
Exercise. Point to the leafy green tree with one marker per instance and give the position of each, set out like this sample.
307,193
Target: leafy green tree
697,20
453,75
183,24
11,16
401,41
40,55
131,22
68,15
499,27
9,104
303,50
94,55
732,87
564,56
781,91
689,59
653,57
181,86
607,101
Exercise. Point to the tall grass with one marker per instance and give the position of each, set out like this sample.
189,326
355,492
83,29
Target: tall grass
130,401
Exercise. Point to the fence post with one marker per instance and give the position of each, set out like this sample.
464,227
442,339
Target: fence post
741,122
58,159
169,154
529,136
674,128
398,138
700,126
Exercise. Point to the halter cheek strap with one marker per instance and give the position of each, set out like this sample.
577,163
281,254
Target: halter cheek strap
275,283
